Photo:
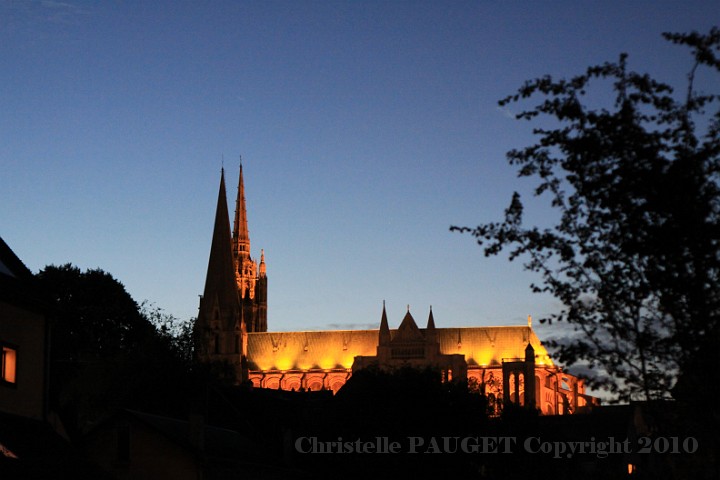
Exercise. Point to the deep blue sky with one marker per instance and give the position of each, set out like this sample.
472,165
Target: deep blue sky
366,129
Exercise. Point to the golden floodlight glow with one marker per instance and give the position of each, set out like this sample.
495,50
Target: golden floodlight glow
327,351
283,362
328,362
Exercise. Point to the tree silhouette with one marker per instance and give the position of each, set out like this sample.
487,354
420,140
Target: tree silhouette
634,256
106,352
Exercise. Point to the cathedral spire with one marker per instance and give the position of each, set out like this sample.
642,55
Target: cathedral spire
241,235
234,302
220,280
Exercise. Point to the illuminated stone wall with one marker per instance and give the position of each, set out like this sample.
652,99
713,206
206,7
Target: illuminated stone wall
317,360
326,350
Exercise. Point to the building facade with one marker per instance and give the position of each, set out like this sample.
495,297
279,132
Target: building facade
23,340
509,364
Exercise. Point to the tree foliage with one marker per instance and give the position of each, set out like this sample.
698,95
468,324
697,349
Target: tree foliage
95,314
634,255
108,352
177,333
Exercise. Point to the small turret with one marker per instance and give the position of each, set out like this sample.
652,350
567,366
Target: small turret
430,331
262,263
384,329
529,353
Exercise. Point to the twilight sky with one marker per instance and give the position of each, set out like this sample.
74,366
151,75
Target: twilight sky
366,130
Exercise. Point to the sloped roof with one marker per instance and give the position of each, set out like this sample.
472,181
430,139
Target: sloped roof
490,345
17,283
306,350
327,349
10,264
408,331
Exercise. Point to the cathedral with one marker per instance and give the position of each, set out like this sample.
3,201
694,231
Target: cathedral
509,364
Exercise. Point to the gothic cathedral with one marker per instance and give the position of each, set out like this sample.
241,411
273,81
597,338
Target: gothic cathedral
508,364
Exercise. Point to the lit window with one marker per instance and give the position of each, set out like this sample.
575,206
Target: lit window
9,364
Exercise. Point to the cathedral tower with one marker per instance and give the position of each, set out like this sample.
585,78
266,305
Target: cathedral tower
234,301
250,277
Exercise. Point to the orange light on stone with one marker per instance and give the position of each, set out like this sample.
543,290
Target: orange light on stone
284,362
326,362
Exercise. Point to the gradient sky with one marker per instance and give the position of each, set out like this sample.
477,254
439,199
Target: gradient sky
366,130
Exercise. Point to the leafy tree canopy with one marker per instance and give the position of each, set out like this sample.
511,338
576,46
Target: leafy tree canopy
94,314
109,352
634,256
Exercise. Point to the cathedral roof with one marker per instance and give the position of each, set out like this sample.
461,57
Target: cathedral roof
312,349
482,346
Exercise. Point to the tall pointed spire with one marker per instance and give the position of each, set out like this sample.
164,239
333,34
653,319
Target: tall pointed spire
241,235
245,267
235,297
220,280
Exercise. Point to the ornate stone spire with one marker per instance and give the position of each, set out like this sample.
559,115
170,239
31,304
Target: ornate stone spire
241,235
245,268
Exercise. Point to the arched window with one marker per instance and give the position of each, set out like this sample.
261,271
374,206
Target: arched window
521,389
272,382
